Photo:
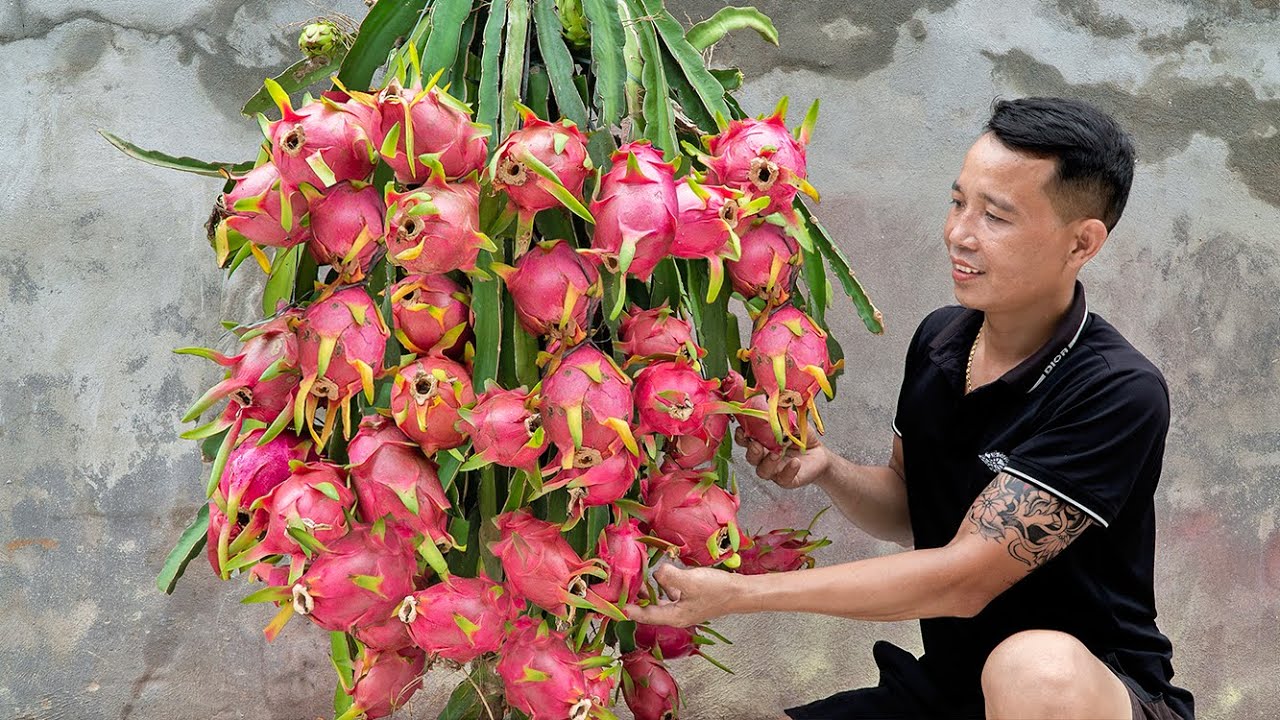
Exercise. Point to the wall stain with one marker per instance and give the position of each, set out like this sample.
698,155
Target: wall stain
23,288
14,546
1196,30
1088,14
1168,111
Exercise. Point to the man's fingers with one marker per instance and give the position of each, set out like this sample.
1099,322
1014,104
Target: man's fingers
739,436
667,614
786,477
755,451
769,466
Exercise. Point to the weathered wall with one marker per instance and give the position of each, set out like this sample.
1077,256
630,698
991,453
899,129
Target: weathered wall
103,269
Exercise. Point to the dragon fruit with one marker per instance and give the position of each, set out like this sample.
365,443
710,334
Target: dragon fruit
587,405
253,470
546,680
384,682
439,131
635,211
321,143
425,398
768,266
432,315
672,642
625,559
555,291
540,565
789,358
272,347
707,225
460,619
775,430
656,334
254,208
699,447
696,516
602,483
346,225
540,166
305,513
392,478
389,635
673,399
341,341
505,428
648,688
436,228
762,158
359,579
779,551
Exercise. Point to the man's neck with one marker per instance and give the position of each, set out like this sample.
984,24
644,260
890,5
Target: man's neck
1011,337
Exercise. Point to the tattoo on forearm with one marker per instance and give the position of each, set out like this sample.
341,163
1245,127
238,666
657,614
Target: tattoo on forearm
1035,525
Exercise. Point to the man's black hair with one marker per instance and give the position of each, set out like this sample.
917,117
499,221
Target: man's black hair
1095,156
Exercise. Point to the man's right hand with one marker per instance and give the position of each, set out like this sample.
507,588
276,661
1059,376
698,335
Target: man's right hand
793,467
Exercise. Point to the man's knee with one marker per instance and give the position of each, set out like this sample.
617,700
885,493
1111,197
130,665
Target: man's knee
1044,673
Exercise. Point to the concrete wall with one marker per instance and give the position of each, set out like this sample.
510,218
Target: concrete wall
104,269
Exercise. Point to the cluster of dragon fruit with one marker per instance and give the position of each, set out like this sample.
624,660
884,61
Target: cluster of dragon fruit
349,523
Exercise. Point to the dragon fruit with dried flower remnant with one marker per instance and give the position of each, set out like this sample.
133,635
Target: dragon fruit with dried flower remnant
648,688
555,291
768,265
384,682
435,228
346,227
699,518
546,680
461,618
425,397
699,447
541,166
586,407
393,480
762,158
635,211
255,209
341,342
321,143
656,334
432,315
505,428
592,485
673,399
540,565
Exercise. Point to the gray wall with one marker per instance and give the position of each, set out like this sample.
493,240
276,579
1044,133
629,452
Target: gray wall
104,269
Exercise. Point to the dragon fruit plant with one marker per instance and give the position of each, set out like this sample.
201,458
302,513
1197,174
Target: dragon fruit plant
443,442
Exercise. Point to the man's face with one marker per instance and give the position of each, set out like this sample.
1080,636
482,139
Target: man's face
1003,225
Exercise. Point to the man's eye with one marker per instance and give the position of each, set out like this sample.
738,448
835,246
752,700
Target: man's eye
957,203
994,218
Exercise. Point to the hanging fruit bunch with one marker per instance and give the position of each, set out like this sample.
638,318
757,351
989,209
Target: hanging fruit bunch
499,359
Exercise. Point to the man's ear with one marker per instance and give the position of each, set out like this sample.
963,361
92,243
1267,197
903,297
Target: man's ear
1089,236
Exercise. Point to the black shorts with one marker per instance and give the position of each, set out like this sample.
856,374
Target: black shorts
906,690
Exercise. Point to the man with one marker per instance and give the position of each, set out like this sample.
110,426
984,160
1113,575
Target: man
1027,447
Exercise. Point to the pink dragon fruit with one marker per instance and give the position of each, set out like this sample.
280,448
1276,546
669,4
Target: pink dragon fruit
541,166
546,680
321,143
254,470
254,208
425,398
587,404
540,565
392,478
439,131
673,399
776,430
672,642
432,315
346,227
460,619
384,682
648,688
789,358
779,551
699,447
699,518
341,341
436,228
505,428
603,483
388,635
656,334
707,226
635,211
272,347
761,157
358,580
555,291
625,559
768,266
305,513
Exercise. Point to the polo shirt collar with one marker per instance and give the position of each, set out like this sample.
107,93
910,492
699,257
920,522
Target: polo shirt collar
950,348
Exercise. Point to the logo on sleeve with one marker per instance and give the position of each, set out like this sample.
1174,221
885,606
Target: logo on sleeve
995,461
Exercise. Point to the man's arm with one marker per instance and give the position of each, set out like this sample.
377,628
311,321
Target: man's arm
1011,529
873,497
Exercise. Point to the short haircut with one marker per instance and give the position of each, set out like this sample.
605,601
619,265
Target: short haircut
1094,155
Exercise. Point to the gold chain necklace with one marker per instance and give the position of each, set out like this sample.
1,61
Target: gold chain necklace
968,368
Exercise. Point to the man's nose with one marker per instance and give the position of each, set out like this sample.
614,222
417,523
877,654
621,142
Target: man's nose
959,232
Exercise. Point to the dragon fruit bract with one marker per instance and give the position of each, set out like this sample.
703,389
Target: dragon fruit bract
503,427
346,225
432,315
320,143
460,619
635,210
425,398
761,157
435,228
555,291
545,679
649,689
587,406
698,517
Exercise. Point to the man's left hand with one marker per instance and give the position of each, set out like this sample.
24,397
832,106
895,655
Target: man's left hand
693,596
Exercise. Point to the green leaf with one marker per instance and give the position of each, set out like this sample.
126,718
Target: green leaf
447,19
513,63
607,39
730,78
688,58
659,120
465,65
387,22
713,29
690,103
172,162
189,545
488,511
839,264
340,656
297,77
559,64
284,273
486,304
537,92
815,277
487,95
713,327
476,697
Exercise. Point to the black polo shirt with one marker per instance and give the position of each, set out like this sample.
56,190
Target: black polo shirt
1085,419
